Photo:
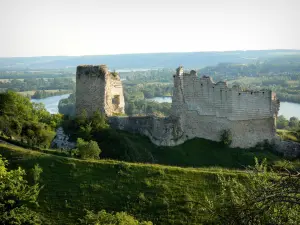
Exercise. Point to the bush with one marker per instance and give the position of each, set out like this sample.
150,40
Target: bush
36,173
262,197
226,137
104,218
88,150
17,197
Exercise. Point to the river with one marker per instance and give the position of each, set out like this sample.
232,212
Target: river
287,109
51,103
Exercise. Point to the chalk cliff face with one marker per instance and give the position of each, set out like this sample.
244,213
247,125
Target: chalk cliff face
98,89
200,108
62,141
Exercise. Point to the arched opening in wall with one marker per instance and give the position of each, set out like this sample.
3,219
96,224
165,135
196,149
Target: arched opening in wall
116,101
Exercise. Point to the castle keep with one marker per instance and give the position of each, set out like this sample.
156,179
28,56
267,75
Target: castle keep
200,108
98,89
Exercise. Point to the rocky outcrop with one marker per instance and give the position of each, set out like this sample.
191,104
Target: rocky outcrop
61,140
288,148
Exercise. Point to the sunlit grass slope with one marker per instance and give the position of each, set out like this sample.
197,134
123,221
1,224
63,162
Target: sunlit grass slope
158,193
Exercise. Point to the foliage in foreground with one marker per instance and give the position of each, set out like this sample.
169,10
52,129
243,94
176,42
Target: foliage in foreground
28,122
104,218
264,197
17,197
88,149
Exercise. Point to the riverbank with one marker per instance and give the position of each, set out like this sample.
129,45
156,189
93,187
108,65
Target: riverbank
51,103
45,93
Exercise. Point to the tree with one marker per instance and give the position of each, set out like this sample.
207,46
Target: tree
261,197
294,122
17,197
104,218
282,122
99,121
21,119
88,150
85,131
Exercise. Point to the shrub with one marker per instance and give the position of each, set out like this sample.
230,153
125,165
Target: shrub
226,137
88,150
262,197
104,218
17,197
36,173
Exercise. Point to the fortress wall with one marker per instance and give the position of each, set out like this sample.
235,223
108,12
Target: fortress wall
245,133
173,131
165,131
251,105
206,109
217,99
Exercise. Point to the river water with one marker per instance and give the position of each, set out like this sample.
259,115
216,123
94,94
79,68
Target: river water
287,109
51,103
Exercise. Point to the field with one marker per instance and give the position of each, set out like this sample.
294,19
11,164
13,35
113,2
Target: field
9,80
30,93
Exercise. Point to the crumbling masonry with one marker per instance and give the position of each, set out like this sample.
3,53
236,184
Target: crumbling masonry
97,89
200,108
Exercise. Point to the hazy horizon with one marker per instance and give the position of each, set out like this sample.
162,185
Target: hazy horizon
75,28
140,53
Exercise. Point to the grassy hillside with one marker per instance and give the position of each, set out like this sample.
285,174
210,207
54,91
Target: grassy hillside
205,153
158,193
193,153
151,192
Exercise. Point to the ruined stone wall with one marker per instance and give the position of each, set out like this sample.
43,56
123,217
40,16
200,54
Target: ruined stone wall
164,131
217,99
206,109
98,89
200,108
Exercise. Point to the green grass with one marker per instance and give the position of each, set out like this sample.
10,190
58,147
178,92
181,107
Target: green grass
205,153
193,153
158,193
288,135
149,192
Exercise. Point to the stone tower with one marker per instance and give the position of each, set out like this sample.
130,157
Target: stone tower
97,89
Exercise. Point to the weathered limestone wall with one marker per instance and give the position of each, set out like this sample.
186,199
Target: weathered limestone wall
207,108
98,89
204,109
171,131
164,131
245,133
217,99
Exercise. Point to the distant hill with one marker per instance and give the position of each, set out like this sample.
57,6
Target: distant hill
194,60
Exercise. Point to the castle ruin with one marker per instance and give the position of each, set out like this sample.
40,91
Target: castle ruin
97,89
200,108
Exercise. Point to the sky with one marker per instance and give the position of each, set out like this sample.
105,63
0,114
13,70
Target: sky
97,27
